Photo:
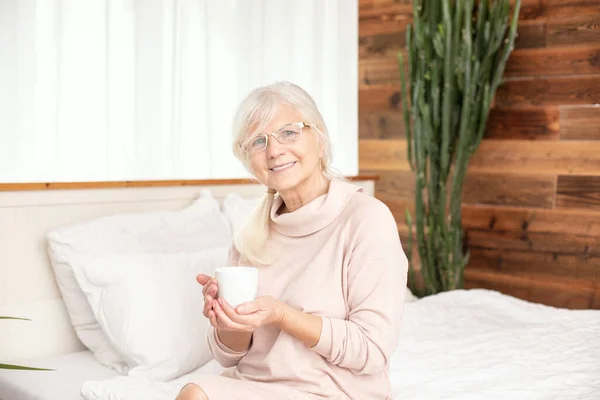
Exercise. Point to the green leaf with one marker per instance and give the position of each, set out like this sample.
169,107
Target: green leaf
20,367
22,319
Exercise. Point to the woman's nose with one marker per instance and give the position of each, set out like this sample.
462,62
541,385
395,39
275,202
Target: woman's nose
274,148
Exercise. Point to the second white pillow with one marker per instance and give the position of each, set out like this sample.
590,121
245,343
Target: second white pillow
150,308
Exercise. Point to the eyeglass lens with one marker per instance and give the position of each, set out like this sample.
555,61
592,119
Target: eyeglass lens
285,134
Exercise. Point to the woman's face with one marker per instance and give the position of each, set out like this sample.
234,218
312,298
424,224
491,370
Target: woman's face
284,166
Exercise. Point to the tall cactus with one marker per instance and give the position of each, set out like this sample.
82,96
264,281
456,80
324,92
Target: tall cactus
457,53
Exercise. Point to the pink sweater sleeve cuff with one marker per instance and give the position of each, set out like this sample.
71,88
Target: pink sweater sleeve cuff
223,354
323,346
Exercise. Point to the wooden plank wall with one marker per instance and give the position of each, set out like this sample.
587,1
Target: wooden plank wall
531,205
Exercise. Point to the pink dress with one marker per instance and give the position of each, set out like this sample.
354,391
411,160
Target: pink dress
341,259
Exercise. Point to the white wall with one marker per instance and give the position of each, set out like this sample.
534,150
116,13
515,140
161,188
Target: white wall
130,90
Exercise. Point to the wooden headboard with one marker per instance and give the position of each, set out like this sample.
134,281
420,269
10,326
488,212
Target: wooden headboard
27,211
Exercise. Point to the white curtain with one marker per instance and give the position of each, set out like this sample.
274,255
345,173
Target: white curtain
146,89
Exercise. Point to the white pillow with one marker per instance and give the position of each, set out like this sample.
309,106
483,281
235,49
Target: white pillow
150,308
238,209
200,226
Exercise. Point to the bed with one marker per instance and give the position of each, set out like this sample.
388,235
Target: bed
464,344
65,382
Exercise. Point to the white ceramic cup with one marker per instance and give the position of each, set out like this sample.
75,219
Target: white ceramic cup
237,285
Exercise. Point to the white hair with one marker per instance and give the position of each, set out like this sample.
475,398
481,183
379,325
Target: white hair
254,113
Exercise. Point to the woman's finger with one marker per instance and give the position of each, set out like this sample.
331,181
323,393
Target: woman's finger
202,279
212,317
234,316
206,287
231,313
208,305
213,290
224,320
248,308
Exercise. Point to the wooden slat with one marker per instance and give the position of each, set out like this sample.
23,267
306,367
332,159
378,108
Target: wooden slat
366,5
540,123
579,28
569,60
497,156
541,25
397,185
530,5
580,123
399,207
546,265
559,9
531,34
551,91
523,240
382,69
503,123
509,189
532,288
537,157
560,222
530,9
379,71
515,93
384,19
378,97
138,184
382,155
387,124
387,45
392,16
578,192
397,190
558,230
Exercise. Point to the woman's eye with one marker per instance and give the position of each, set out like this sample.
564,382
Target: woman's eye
258,142
289,133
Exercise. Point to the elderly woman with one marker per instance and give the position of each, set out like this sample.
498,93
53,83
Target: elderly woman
332,272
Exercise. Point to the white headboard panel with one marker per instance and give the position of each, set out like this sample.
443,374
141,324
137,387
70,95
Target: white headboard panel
27,285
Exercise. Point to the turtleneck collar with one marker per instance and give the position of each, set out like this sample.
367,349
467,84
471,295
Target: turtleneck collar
315,215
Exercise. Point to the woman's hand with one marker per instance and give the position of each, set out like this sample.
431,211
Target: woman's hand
262,311
210,288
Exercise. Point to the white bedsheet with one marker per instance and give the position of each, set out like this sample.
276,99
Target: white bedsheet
457,345
469,344
64,383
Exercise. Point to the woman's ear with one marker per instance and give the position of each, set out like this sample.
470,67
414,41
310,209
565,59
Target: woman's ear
321,149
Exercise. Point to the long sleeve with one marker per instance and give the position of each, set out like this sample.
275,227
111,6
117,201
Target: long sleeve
224,355
377,277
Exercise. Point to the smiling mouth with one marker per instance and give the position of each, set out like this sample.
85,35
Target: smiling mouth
282,167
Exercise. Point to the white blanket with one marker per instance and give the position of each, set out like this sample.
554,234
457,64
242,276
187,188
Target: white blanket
465,344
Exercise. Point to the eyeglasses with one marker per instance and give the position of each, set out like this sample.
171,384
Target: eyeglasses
285,134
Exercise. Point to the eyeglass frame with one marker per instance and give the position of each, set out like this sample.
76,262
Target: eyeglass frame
267,135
